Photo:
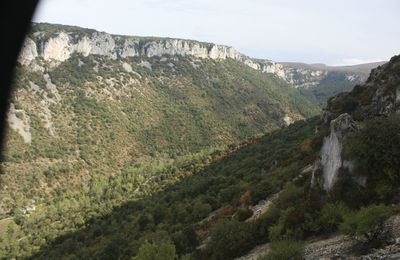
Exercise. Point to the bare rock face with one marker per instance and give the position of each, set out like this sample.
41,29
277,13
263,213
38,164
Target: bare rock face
331,152
277,69
336,247
60,48
57,48
103,44
20,122
64,42
303,78
28,53
379,96
224,52
129,49
84,46
343,125
174,47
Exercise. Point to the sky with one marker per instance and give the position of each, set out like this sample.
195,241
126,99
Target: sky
334,32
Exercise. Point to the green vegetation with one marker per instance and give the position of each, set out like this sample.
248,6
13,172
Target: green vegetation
230,238
367,222
331,85
159,251
376,151
113,130
170,207
170,161
122,137
332,214
285,249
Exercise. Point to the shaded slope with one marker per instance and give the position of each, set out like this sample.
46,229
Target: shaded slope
260,168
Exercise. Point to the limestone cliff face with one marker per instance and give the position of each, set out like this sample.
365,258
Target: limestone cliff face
63,41
62,45
174,47
298,77
331,152
379,96
28,53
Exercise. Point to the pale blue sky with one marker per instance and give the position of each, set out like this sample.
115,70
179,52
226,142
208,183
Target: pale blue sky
313,31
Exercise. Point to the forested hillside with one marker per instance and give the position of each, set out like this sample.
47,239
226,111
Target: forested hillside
87,118
83,123
121,147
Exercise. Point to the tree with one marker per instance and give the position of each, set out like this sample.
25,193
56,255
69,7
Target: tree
332,215
201,210
367,222
161,251
230,238
375,150
243,213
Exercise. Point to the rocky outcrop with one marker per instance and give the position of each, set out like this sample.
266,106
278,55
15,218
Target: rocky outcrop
379,96
303,78
61,46
19,121
331,152
57,48
28,52
65,41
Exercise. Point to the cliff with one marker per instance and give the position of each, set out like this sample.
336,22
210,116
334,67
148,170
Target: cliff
57,43
378,97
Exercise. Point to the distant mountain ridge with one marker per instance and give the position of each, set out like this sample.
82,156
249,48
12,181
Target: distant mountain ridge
362,68
59,42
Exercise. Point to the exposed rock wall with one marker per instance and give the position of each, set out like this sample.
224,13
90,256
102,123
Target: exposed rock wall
28,52
19,121
331,159
379,96
61,44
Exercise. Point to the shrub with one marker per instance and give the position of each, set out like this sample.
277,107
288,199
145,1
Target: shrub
284,250
375,150
230,238
162,251
265,222
243,213
201,210
332,215
367,222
